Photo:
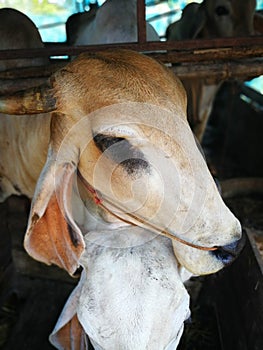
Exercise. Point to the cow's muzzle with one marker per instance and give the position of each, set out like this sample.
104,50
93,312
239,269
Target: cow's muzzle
228,253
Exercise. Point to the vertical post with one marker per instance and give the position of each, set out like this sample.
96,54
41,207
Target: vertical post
141,23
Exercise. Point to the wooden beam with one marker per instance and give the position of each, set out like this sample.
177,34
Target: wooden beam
174,52
22,78
213,60
33,72
141,23
216,72
212,54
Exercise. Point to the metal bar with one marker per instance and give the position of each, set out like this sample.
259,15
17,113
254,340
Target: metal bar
190,44
141,23
179,51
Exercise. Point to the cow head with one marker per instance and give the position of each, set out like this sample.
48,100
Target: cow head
214,18
119,124
228,18
130,295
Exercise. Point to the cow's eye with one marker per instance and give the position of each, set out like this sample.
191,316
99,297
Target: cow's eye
103,142
221,11
122,152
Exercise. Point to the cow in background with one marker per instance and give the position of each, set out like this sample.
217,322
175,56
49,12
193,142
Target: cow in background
114,22
210,19
17,31
76,22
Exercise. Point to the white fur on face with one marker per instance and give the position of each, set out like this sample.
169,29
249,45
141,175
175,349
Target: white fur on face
131,293
132,296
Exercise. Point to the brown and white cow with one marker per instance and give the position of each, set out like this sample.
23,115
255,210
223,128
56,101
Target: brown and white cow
124,192
17,31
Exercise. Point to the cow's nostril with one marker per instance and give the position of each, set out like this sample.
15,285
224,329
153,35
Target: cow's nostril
225,256
229,252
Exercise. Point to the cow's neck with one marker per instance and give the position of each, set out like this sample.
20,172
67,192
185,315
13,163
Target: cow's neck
24,155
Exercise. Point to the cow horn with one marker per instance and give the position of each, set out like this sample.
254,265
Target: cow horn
35,100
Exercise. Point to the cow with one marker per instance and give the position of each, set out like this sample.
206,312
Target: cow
78,20
131,294
113,22
17,31
210,19
124,193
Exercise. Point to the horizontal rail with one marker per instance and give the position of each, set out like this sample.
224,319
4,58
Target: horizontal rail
22,78
167,52
213,60
216,72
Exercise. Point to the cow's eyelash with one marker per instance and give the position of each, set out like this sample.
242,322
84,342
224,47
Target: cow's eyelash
103,142
117,148
122,152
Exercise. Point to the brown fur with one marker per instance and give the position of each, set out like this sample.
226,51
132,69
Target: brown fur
115,76
132,97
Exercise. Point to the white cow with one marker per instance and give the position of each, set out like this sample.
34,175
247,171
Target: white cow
114,22
210,19
131,294
124,193
77,21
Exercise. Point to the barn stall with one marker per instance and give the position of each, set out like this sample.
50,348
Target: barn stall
226,307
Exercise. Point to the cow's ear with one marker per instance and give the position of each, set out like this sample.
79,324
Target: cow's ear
68,333
70,336
52,235
192,22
